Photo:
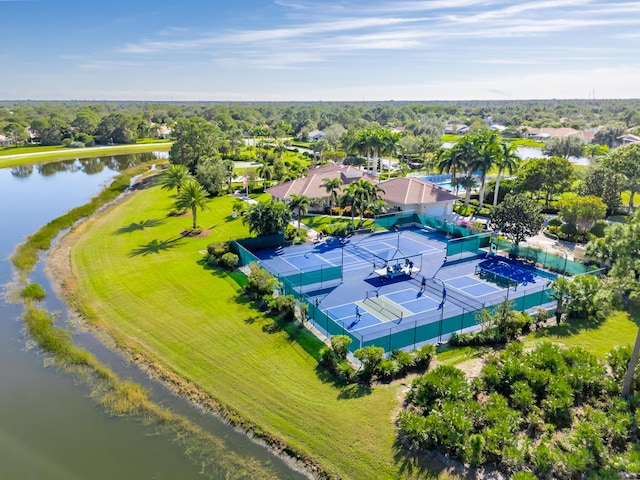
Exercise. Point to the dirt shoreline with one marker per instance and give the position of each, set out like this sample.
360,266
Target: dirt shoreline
59,269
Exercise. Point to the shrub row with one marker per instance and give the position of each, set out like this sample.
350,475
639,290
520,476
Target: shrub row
374,365
550,412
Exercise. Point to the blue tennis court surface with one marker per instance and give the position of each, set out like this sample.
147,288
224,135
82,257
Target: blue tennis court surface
335,277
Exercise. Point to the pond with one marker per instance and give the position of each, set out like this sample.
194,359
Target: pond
49,427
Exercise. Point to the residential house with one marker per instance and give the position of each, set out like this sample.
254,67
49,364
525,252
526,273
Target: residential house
315,135
627,139
4,141
311,185
412,193
164,132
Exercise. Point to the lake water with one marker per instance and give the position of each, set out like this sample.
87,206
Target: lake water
49,427
526,153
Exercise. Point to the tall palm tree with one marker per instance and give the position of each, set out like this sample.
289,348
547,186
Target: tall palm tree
299,203
331,185
266,173
508,161
391,145
174,177
366,193
449,161
487,151
368,143
468,182
193,196
350,198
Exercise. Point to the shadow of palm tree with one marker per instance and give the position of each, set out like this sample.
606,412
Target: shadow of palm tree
156,246
141,225
569,327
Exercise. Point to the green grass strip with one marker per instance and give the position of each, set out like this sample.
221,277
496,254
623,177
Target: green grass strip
32,155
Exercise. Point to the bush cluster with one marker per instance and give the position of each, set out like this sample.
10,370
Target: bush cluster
550,412
501,325
374,364
219,254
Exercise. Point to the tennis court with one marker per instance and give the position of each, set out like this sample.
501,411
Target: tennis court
344,283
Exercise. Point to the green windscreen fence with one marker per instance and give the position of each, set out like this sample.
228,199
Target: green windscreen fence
245,257
409,217
300,278
399,219
468,244
552,262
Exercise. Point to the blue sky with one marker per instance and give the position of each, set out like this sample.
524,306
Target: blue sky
279,50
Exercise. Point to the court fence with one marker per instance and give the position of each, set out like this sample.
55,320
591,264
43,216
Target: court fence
548,260
430,328
407,332
465,240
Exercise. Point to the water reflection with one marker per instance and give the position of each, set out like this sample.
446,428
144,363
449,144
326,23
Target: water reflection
22,172
90,166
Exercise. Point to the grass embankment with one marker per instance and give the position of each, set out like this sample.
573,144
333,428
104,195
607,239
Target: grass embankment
118,397
149,288
13,157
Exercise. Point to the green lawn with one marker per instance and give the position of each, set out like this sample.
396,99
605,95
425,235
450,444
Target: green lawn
318,221
618,329
151,290
29,149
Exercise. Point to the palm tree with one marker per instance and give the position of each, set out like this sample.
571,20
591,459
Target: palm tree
391,145
468,182
299,203
368,143
366,193
351,198
449,160
174,177
266,173
331,185
487,150
560,291
507,160
193,196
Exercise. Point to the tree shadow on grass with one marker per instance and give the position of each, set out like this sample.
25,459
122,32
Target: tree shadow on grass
156,246
141,225
424,465
355,390
569,327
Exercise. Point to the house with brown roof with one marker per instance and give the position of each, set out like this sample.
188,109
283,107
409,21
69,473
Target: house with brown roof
627,139
412,193
311,185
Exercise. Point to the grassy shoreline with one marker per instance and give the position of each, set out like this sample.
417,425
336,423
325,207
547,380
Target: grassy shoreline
260,374
116,396
8,160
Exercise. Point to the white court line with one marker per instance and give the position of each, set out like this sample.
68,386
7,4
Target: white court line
478,281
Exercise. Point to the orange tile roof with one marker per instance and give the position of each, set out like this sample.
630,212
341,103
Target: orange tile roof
311,185
412,190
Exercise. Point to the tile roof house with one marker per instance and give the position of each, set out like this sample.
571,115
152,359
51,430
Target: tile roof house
411,193
4,141
425,198
311,185
627,138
